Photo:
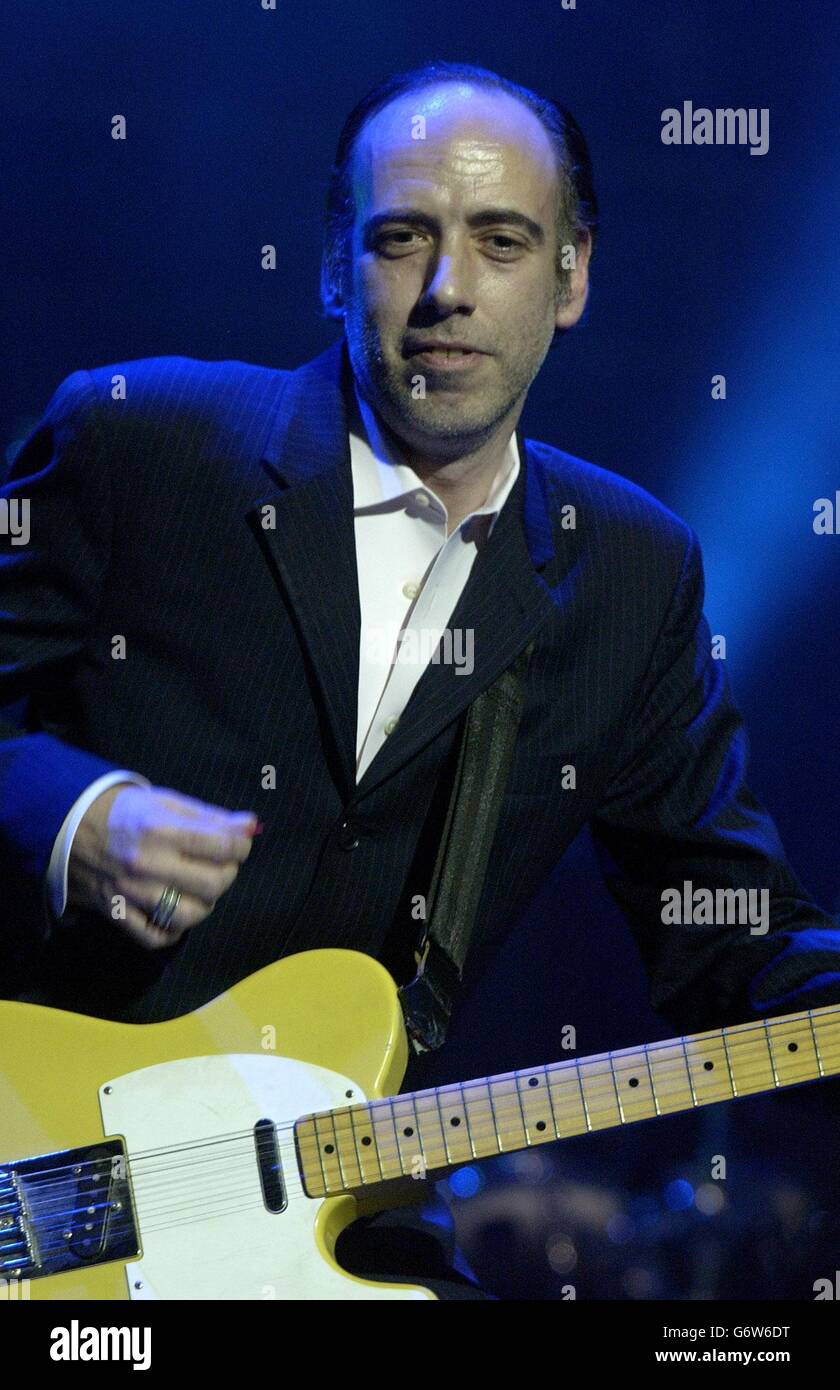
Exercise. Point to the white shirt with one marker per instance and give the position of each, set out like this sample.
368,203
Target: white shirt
411,575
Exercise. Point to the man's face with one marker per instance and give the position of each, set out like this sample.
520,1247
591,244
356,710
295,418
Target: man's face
454,240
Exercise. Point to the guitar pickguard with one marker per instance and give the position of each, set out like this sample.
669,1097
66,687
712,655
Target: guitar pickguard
214,1223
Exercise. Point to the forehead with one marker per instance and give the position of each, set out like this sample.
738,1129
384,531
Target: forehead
477,145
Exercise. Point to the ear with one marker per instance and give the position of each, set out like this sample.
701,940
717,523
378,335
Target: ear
333,308
332,302
572,307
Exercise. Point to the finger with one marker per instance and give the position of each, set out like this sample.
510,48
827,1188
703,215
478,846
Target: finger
136,925
190,806
146,894
200,878
207,843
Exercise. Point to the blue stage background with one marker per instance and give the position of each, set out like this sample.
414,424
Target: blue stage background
711,260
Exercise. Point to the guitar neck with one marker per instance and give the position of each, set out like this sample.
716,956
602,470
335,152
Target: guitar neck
417,1132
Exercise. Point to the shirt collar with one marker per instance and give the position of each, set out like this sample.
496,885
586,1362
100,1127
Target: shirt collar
381,476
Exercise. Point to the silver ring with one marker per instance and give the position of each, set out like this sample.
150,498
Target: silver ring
166,909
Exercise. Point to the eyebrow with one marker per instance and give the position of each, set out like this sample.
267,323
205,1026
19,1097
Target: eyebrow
484,218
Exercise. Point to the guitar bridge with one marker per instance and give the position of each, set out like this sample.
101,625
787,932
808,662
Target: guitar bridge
65,1210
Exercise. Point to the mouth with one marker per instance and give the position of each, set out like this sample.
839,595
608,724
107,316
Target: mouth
449,358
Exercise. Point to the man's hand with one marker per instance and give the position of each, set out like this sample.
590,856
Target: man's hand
136,841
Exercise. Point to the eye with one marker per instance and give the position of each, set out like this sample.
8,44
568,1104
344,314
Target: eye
391,240
508,251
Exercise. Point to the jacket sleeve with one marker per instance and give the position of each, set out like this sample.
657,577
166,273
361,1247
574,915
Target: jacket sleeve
54,556
677,818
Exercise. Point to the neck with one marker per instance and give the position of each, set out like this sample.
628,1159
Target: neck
463,481
436,1129
463,484
460,495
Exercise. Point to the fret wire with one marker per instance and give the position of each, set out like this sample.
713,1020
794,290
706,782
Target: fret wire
495,1120
396,1137
816,1044
583,1097
320,1159
355,1137
521,1111
770,1050
375,1138
467,1120
688,1069
615,1088
442,1128
728,1063
551,1102
650,1078
419,1132
338,1150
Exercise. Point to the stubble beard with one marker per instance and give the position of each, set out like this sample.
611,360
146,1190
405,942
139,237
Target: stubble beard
437,422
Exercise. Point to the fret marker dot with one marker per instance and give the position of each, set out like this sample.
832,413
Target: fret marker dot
540,1125
328,1149
408,1132
455,1120
708,1066
533,1081
366,1139
634,1081
793,1047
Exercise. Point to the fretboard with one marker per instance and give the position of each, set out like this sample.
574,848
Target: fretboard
421,1131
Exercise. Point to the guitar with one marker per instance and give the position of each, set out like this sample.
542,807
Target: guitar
219,1155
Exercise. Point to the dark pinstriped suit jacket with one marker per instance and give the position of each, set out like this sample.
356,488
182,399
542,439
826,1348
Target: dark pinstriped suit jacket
242,651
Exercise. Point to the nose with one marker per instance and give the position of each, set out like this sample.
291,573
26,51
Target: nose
451,285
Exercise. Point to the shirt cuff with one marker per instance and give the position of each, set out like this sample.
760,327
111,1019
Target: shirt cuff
56,876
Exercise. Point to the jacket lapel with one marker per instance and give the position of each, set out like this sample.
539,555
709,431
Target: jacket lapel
312,547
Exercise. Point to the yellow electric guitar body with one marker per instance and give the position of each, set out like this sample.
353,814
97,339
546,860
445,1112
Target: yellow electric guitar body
183,1098
218,1156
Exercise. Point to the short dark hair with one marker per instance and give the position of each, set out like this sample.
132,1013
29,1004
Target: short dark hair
577,211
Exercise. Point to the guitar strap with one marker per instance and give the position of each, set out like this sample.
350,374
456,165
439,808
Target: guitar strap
484,760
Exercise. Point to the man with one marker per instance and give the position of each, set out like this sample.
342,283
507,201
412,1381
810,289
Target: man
226,563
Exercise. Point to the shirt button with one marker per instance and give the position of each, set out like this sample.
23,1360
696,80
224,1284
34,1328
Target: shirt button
422,499
391,725
411,590
346,834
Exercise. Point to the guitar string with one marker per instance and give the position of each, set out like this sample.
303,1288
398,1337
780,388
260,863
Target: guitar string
574,1069
602,1082
164,1219
190,1214
560,1109
295,1190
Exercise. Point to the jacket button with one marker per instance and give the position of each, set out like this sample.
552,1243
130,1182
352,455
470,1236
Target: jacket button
346,835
